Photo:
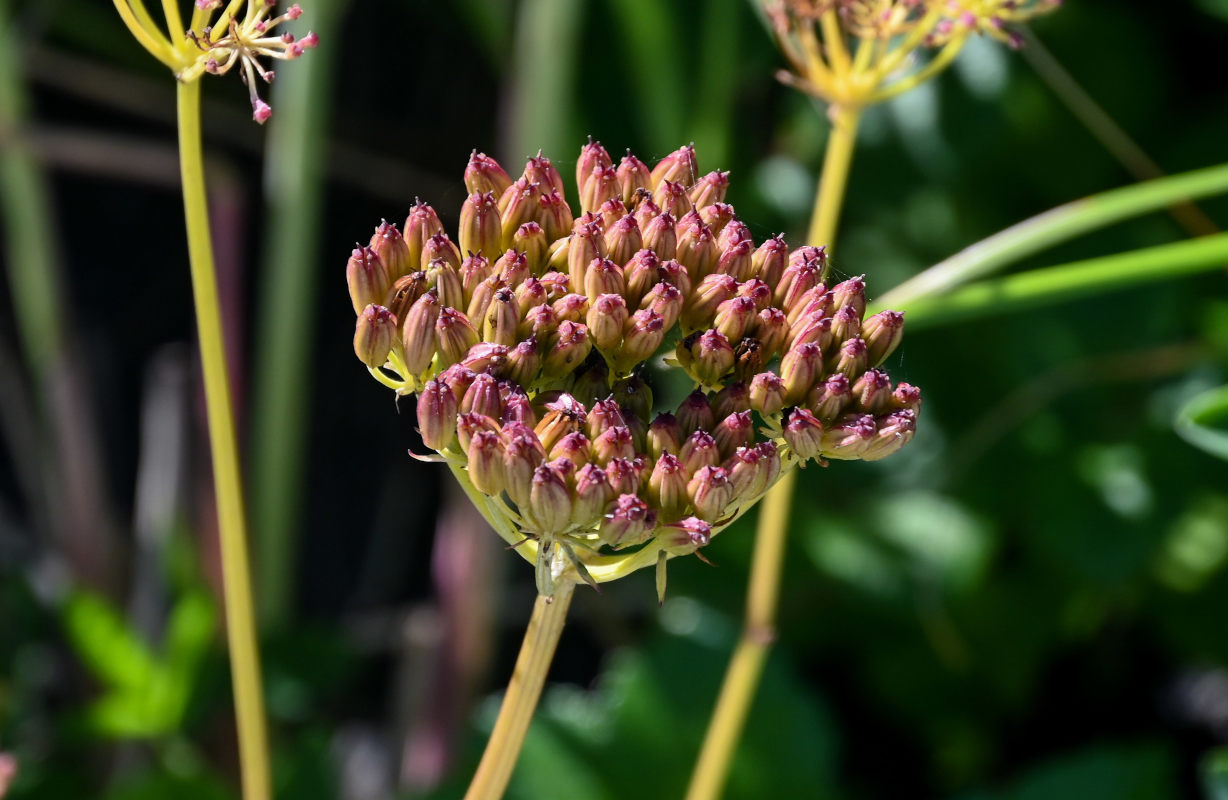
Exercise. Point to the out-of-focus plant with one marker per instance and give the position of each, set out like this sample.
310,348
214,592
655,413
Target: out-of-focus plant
238,35
529,358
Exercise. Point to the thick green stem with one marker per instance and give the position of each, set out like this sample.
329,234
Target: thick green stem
1055,226
523,691
1067,281
240,619
759,625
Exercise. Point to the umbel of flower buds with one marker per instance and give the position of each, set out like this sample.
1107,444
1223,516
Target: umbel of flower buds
527,339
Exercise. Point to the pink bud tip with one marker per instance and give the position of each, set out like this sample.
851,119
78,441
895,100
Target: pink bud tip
294,12
261,111
310,40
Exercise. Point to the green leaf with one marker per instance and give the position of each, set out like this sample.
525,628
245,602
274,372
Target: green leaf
105,644
1141,772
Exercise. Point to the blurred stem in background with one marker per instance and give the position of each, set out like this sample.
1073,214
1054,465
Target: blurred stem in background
64,476
763,593
535,106
296,159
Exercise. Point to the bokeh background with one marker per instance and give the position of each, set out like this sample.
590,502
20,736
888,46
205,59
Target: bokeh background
1028,602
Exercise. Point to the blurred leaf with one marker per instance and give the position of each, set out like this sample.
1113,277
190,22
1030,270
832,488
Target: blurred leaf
1214,769
1141,772
1201,422
160,786
105,644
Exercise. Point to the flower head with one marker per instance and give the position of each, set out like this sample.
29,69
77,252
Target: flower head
532,371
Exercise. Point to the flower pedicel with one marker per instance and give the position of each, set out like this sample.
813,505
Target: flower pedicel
527,345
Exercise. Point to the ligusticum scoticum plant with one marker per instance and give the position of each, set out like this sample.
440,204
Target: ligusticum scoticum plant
527,342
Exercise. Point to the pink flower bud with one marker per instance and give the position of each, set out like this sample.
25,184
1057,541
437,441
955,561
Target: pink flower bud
480,228
611,211
644,333
695,414
664,436
686,536
845,324
418,333
486,357
710,492
732,399
699,450
660,237
436,415
851,293
375,333
679,166
829,399
816,302
501,321
804,433
794,283
624,475
807,254
736,260
629,523
644,209
606,318
454,335
540,322
811,330
600,186
632,175
539,170
575,447
872,391
458,378
470,425
712,357
906,396
549,510
403,294
671,198
368,279
530,239
700,306
800,369
734,317
716,216
389,245
553,215
440,248
603,276
482,397
734,431
592,495
894,431
613,443
517,205
675,274
587,243
518,408
483,174
473,272
767,393
696,250
421,224
883,333
710,189
734,232
522,455
592,156
566,350
622,240
640,275
666,300
563,416
486,462
771,329
849,438
604,414
768,262
667,487
851,359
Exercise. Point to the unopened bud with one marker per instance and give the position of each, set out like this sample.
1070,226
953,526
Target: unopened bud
644,209
502,319
517,205
474,270
851,293
667,487
894,431
683,538
804,433
592,156
851,358
529,294
530,239
486,357
539,170
517,407
734,431
679,166
733,233
606,318
767,393
695,413
882,333
812,330
634,397
390,246
710,189
796,280
603,276
404,293
563,416
710,492
849,437
575,447
486,462
630,522
675,274
800,369
829,399
613,443
734,317
418,333
540,322
735,260
446,281
622,240
640,275
660,237
458,378
699,450
554,215
845,324
769,260
716,216
771,329
367,277
872,391
480,228
672,199
816,302
624,475
592,495
483,174
666,300
549,501
522,455
454,335
605,414
568,346
700,306
375,333
436,415
732,399
440,247
712,357
633,175
906,396
696,250
645,331
587,244
571,308
664,436
612,211
421,224
599,186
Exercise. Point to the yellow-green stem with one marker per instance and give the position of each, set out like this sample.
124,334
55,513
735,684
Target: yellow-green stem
523,692
240,619
759,626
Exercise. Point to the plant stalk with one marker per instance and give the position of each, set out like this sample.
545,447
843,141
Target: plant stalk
536,653
759,625
240,617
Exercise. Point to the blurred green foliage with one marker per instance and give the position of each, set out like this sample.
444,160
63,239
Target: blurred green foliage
1015,607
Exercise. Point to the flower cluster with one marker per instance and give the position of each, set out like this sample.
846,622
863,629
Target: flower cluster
859,52
527,343
230,41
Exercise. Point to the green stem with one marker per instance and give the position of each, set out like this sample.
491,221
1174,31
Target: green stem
240,619
523,691
1055,226
1068,281
763,594
298,134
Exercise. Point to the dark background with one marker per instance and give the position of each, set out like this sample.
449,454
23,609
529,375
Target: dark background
1028,602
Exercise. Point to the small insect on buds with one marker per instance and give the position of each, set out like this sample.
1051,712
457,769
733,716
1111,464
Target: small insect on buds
633,176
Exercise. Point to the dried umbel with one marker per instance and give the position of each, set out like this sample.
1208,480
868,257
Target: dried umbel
528,349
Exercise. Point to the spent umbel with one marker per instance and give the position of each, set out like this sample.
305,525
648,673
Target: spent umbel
528,339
